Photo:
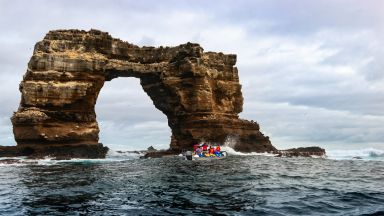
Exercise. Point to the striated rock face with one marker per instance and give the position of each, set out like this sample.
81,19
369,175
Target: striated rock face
198,91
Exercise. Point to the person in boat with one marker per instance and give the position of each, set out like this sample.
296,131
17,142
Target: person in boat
218,148
211,151
198,152
195,147
217,151
205,148
206,152
188,155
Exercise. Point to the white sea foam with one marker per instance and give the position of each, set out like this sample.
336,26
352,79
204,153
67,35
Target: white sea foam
230,143
364,154
232,151
112,154
345,154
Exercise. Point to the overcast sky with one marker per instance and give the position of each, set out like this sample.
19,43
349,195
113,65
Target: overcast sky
312,71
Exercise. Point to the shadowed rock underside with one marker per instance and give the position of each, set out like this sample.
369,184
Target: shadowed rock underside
198,91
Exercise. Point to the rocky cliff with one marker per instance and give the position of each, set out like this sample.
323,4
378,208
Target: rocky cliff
198,91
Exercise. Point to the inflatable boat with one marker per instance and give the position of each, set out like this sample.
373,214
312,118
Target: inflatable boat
190,156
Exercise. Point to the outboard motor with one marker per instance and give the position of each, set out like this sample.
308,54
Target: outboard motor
188,155
224,153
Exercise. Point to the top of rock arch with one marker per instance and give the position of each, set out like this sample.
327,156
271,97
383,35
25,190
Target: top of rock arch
100,46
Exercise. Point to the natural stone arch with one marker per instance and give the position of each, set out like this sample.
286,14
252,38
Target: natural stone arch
198,91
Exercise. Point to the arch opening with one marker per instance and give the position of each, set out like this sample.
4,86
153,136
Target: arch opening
127,118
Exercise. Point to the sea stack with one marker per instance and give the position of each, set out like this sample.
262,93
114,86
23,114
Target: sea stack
198,91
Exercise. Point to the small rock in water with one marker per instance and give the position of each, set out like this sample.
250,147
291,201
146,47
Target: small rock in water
151,149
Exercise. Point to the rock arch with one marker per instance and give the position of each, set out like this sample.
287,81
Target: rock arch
198,91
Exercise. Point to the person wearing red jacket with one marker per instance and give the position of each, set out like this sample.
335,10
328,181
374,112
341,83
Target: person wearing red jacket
218,148
211,151
205,147
217,151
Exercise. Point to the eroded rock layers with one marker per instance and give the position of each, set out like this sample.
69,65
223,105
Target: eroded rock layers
198,91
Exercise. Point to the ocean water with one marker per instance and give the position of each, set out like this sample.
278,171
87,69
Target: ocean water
249,184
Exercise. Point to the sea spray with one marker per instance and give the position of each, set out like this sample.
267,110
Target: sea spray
125,154
230,143
232,151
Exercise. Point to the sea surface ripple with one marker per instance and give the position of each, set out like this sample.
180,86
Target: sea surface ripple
237,185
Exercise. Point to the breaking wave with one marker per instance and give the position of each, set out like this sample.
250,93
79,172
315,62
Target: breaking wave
347,154
123,155
232,151
363,154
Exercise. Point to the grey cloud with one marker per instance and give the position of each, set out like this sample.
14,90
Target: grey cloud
128,119
321,96
299,18
124,99
147,41
131,136
6,136
321,92
337,79
374,71
323,127
10,96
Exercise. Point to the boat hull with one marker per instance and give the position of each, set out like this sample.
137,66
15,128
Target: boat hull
223,153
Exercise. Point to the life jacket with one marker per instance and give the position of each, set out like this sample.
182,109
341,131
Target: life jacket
211,151
218,148
205,147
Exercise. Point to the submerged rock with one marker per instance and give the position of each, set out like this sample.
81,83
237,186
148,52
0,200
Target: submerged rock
198,91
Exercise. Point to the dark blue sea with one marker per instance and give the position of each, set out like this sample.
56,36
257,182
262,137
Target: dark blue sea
237,185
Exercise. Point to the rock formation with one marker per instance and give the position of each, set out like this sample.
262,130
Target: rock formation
198,91
313,151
